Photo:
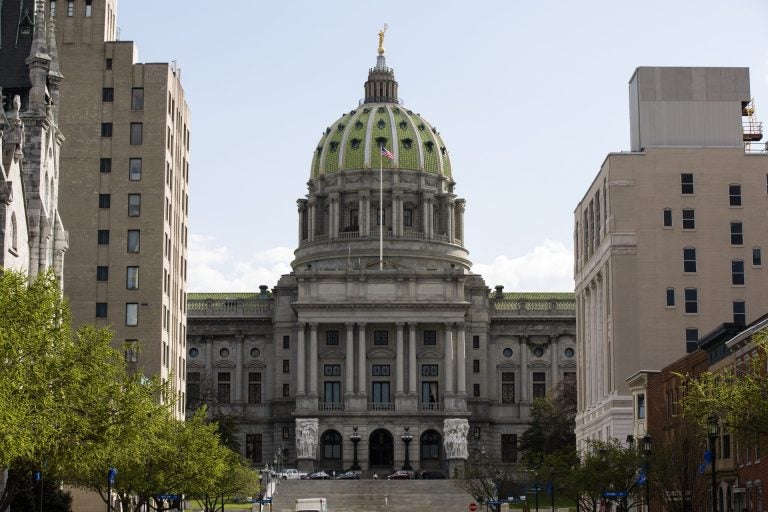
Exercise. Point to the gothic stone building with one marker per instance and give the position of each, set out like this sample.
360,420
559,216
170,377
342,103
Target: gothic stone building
357,355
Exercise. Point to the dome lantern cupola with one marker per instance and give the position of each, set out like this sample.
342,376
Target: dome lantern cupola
381,86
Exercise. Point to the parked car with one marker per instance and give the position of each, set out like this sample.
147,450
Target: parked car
349,475
319,475
400,474
292,474
433,475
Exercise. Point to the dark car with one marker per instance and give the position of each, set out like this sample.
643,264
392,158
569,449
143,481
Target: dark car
400,474
433,475
349,475
320,475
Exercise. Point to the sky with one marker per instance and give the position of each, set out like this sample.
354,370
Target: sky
529,98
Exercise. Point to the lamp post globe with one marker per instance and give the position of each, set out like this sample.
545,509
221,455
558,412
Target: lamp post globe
407,437
355,438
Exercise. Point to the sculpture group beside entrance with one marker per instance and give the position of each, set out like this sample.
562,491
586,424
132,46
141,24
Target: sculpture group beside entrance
306,437
455,432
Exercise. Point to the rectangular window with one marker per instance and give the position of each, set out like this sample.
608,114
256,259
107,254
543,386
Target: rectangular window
131,314
691,300
104,200
137,133
641,406
507,387
757,257
380,370
689,218
105,165
106,129
689,259
670,297
429,370
108,94
286,342
108,64
408,217
103,237
332,392
475,342
686,184
381,393
286,366
52,10
379,214
691,339
737,272
137,98
88,8
475,366
667,217
539,384
286,390
102,273
476,390
737,233
739,312
254,387
353,218
223,387
132,278
380,337
70,8
734,195
508,448
131,351
429,393
253,448
101,310
331,337
332,370
134,169
134,240
193,390
429,337
134,205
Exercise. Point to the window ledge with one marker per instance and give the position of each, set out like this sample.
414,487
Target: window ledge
13,251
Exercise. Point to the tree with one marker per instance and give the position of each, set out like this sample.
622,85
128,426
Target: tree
551,425
488,481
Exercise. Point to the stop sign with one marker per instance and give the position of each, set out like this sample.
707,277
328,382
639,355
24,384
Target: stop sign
473,507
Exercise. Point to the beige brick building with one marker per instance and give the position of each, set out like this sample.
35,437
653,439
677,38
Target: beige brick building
670,237
125,194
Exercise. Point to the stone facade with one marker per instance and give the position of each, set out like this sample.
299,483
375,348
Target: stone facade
381,331
669,238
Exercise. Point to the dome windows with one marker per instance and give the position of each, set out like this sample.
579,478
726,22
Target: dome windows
396,110
430,146
422,127
355,143
334,146
443,150
366,110
319,150
381,142
358,125
407,143
340,127
381,124
380,110
403,125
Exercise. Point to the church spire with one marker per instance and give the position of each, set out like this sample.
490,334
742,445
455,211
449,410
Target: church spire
381,86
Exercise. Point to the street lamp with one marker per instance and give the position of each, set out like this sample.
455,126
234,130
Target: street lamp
552,487
712,434
407,437
647,442
355,437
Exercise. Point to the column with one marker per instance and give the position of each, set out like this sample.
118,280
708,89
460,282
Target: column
362,373
239,368
313,359
554,358
301,363
430,218
208,342
425,213
350,360
361,215
395,216
524,369
412,379
302,214
461,361
311,224
449,218
399,360
448,361
333,215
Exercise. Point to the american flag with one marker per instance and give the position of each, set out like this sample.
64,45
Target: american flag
387,153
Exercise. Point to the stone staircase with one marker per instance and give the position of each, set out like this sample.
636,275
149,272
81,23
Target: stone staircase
374,495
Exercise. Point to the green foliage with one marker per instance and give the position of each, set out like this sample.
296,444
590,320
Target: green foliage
28,495
551,426
737,395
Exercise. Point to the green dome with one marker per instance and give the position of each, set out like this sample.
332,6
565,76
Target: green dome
352,142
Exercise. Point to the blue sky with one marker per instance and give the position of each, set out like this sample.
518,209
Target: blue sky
528,96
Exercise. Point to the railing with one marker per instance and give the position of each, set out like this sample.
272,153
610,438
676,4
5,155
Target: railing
330,406
752,130
229,307
374,235
554,306
381,406
755,147
430,407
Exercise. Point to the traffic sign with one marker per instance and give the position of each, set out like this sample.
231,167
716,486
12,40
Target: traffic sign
473,507
611,494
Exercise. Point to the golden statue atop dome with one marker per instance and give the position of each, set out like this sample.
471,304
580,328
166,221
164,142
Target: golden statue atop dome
381,39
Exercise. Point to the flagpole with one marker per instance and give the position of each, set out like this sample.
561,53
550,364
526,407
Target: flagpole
381,207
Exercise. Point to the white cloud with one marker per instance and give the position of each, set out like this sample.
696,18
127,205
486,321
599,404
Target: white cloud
547,268
213,269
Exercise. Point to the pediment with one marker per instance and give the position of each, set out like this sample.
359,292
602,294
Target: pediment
256,364
436,354
539,364
332,353
508,364
568,364
223,364
381,353
195,364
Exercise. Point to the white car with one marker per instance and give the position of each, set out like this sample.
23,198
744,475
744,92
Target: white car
292,474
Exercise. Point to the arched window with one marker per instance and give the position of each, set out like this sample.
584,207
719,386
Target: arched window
430,445
331,445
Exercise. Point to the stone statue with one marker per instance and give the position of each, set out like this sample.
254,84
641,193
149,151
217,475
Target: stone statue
381,39
306,437
455,432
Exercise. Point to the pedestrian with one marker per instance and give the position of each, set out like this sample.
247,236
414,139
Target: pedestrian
375,476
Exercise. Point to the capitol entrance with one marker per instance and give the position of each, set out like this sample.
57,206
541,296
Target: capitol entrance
381,450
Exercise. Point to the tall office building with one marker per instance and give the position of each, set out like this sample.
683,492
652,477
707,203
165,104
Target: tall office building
670,236
125,192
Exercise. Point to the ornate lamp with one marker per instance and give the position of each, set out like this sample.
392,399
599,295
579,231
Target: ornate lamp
407,437
355,437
